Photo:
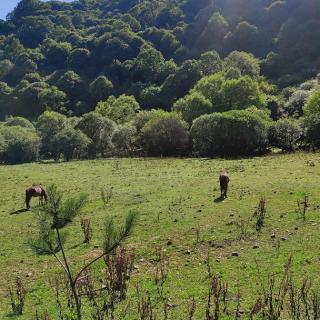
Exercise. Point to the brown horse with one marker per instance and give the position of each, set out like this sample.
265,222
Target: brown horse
36,191
224,181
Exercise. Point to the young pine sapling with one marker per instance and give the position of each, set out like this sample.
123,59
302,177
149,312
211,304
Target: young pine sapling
54,216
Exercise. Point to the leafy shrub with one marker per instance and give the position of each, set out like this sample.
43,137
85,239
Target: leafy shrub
143,117
124,139
100,130
20,144
70,143
312,106
285,133
233,133
165,136
294,106
49,124
312,130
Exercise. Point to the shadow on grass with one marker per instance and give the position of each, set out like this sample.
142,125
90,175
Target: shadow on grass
77,245
11,315
219,199
19,211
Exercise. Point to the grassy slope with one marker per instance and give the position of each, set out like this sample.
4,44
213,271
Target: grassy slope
174,197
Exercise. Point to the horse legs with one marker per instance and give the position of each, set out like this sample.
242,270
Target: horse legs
224,190
27,200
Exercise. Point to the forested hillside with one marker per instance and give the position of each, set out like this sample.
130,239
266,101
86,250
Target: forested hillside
194,57
69,56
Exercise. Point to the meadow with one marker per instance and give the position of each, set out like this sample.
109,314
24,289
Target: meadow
178,213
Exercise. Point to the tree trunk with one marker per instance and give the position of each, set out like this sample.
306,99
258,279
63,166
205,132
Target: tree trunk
72,283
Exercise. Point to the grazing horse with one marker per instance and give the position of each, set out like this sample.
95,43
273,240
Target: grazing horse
224,181
36,191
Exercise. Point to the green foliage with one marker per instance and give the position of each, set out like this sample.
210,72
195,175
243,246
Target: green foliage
53,99
163,40
193,106
294,105
124,139
2,145
57,53
62,212
29,98
79,58
245,37
145,48
143,117
206,134
165,135
210,63
120,110
46,242
19,121
214,33
20,144
237,132
312,130
178,84
55,214
24,8
245,62
100,130
285,133
230,94
34,29
242,93
100,88
24,64
312,106
72,84
10,48
210,88
113,236
70,143
5,90
32,77
5,68
150,66
150,97
67,57
49,124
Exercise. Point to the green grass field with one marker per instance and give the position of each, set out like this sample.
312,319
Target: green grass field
175,198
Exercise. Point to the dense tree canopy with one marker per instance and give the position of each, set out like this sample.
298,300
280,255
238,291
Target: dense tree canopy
153,50
125,75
